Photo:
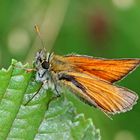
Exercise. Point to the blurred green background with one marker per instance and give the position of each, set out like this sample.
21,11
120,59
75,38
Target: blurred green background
109,29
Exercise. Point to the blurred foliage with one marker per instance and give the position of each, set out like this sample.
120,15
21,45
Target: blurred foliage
107,29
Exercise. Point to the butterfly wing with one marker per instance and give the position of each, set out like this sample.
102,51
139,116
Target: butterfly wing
100,93
110,70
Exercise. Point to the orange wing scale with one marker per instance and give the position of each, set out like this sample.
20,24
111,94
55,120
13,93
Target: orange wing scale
110,70
106,96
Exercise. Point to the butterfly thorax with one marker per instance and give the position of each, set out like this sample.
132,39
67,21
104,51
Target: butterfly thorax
48,67
60,64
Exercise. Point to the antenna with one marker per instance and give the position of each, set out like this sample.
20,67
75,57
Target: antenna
37,30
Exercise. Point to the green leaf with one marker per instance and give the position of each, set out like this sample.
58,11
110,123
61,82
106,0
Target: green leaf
44,118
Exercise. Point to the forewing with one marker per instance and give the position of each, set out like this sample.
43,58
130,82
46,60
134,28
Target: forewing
110,70
104,95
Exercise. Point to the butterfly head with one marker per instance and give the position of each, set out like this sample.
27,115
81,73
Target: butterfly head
42,60
42,65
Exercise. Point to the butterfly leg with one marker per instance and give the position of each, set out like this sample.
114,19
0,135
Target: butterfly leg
44,85
26,69
57,94
33,95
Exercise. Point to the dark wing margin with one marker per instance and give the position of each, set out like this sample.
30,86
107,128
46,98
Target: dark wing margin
72,79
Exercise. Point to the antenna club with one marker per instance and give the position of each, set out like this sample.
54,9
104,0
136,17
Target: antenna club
36,27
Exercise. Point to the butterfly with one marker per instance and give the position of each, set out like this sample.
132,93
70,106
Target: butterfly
91,79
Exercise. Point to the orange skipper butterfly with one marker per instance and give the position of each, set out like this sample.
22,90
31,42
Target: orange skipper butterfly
91,79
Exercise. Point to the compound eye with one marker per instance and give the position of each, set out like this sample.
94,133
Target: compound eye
45,65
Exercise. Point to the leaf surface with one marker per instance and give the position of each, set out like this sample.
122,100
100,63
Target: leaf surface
42,118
